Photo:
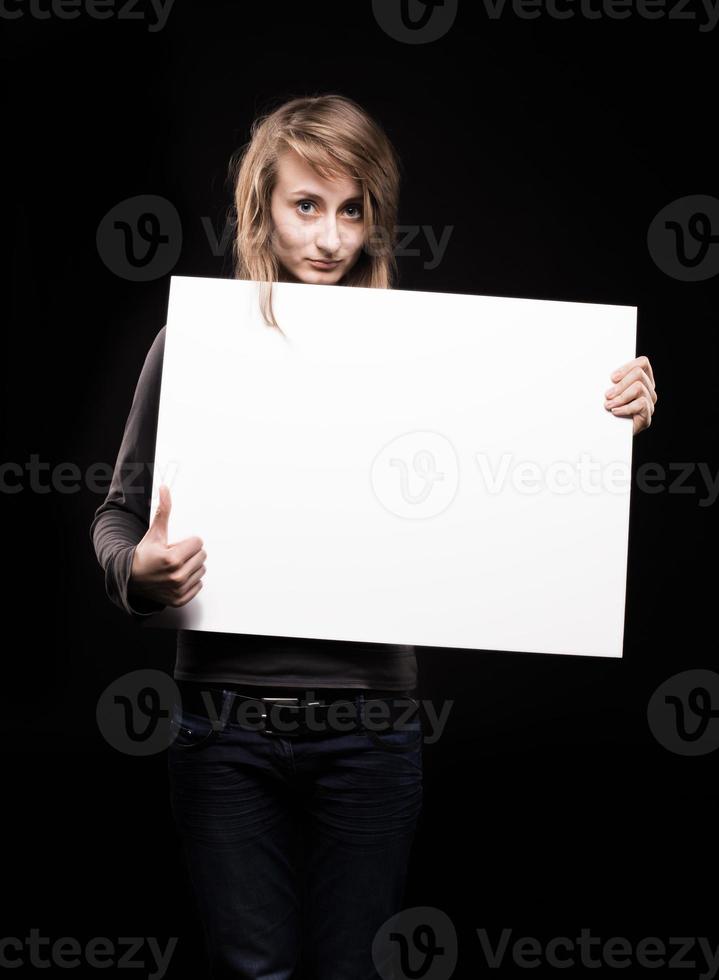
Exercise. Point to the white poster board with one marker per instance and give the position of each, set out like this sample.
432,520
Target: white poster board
401,467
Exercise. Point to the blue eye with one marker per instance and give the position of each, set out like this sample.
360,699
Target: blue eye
356,207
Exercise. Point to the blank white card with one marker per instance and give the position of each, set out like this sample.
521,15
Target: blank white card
400,467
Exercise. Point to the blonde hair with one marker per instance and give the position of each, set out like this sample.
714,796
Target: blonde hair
338,138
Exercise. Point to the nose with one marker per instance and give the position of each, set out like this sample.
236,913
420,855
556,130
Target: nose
328,239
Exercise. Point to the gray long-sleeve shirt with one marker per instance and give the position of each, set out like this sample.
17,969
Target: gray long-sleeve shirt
121,521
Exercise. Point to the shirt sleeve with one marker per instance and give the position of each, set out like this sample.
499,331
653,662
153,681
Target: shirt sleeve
120,522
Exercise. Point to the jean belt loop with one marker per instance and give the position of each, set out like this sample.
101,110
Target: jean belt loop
360,708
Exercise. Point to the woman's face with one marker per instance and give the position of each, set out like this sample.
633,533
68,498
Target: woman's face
315,218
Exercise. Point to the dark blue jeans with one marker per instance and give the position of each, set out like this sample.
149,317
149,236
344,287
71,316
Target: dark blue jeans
297,846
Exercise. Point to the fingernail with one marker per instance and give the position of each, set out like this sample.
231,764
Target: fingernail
611,392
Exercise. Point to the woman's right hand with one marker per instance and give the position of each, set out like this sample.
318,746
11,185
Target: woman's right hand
162,572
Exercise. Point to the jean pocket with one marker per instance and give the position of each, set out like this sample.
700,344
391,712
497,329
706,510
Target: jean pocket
405,734
193,728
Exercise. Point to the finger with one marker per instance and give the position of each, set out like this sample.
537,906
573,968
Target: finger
192,580
162,514
640,406
186,598
635,389
642,361
626,395
183,550
636,374
642,374
181,573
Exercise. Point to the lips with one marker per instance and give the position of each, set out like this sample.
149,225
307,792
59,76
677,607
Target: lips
328,265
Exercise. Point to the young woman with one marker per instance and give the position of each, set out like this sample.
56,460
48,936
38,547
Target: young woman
296,843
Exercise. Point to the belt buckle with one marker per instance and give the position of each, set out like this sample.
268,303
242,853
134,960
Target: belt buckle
270,731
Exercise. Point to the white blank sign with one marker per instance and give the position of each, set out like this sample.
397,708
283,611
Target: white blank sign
401,467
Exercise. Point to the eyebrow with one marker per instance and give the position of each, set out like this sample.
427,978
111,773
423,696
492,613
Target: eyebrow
302,190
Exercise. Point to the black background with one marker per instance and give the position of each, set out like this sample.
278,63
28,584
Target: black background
549,146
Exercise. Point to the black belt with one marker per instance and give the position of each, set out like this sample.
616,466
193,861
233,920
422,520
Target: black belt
303,713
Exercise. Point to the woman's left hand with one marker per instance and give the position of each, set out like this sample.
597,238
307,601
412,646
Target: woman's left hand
633,393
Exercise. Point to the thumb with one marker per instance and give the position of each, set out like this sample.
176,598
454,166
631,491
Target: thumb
158,528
